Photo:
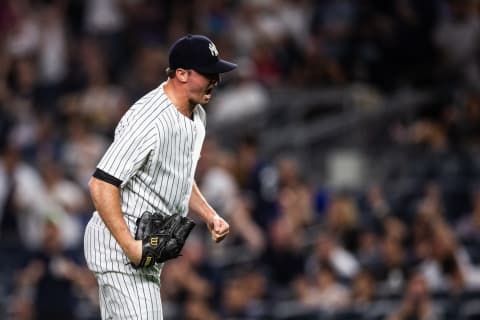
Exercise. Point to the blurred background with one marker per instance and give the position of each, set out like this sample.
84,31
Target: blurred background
344,152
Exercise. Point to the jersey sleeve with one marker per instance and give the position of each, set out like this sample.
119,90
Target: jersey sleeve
129,151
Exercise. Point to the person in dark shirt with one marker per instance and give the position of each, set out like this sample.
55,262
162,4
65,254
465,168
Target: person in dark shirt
52,274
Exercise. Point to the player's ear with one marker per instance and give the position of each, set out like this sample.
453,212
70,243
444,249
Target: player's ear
182,74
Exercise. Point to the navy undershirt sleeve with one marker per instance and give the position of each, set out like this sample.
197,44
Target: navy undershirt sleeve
102,175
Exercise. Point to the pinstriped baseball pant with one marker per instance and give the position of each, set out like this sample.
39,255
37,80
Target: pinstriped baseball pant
125,293
129,296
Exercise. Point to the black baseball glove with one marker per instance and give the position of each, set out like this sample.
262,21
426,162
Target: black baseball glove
163,237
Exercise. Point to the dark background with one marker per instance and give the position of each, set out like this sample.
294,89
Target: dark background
344,152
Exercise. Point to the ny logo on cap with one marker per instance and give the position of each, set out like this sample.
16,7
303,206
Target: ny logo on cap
213,49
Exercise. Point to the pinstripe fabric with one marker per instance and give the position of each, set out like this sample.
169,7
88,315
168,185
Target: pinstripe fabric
117,290
154,153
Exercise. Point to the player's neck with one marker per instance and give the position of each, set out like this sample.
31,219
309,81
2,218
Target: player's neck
179,100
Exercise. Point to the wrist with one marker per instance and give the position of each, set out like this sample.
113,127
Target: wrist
213,216
133,250
129,246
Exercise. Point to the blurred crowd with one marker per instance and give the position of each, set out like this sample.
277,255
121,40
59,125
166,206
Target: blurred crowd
406,247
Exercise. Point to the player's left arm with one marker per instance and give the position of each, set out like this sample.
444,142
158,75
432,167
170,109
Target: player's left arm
219,228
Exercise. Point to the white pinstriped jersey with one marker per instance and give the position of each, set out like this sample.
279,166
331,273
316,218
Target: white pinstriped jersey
154,153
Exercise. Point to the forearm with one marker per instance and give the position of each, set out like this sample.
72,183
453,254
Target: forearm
107,201
219,228
199,205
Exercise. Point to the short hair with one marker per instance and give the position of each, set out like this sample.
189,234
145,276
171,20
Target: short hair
170,72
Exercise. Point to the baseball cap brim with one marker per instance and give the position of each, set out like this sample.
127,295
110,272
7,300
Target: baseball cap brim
220,66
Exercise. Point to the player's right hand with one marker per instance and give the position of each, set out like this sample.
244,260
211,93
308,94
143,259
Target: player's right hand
134,252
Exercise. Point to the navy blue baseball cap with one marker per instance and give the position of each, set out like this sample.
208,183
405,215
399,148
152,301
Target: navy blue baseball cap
197,52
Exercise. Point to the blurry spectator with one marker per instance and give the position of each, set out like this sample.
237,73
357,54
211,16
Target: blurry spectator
244,100
105,21
214,18
295,205
190,275
284,244
147,21
447,267
257,179
333,22
256,23
429,133
328,251
198,309
46,142
317,68
27,204
218,185
22,103
23,36
343,221
330,33
457,38
21,307
51,278
417,303
234,299
444,262
82,151
104,17
392,270
394,229
63,191
376,206
149,63
245,229
257,283
295,195
363,291
244,28
215,176
244,294
53,49
296,16
267,66
324,292
421,235
102,103
432,205
369,248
